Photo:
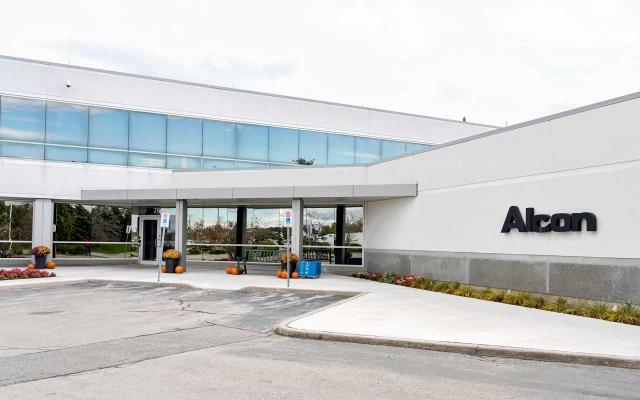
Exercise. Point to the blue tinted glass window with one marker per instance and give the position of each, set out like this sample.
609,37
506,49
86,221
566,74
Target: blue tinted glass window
184,136
391,148
108,157
219,139
108,128
415,146
148,132
341,149
174,162
253,142
22,119
313,146
67,124
22,150
283,145
210,164
146,160
59,153
367,150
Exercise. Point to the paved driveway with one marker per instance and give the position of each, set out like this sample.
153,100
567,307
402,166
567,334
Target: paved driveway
53,331
98,341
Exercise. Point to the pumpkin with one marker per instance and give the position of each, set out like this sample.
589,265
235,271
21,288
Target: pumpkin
229,269
51,265
31,266
179,269
233,271
294,275
164,268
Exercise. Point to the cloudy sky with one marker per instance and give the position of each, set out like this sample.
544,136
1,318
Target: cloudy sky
495,62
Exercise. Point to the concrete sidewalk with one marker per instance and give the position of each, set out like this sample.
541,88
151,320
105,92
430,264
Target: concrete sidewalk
388,314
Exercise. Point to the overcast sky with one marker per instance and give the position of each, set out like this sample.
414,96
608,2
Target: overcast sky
492,61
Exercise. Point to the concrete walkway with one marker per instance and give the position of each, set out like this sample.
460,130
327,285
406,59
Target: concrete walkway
402,316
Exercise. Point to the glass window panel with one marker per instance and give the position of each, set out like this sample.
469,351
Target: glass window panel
22,150
108,128
22,119
15,223
354,224
59,153
253,142
341,149
148,132
319,226
392,148
210,164
367,150
313,146
184,162
219,139
414,147
146,160
264,226
108,157
283,145
67,124
184,136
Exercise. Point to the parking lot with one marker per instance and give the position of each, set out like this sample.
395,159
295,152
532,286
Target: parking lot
112,341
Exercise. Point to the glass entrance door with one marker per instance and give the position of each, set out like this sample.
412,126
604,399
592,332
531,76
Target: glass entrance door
149,234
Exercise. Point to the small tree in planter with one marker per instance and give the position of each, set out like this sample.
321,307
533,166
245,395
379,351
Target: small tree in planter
172,259
293,262
40,255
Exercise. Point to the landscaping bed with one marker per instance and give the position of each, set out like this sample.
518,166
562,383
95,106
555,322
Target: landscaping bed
626,313
17,273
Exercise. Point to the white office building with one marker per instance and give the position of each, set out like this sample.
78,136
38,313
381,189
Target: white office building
88,159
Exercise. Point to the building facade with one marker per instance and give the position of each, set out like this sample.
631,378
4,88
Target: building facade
88,158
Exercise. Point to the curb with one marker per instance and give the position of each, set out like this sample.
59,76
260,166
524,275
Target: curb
43,282
283,329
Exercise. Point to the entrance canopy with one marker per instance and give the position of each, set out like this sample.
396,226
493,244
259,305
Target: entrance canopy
253,196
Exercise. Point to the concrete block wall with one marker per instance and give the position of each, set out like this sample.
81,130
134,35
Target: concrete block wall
609,279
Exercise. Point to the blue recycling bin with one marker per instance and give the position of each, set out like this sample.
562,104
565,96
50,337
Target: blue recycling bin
309,269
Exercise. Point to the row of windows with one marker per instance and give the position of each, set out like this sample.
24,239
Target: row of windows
69,132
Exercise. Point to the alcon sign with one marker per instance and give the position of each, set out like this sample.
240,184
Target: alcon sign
561,222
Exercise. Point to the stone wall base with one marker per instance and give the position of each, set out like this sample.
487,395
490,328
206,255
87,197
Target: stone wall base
609,279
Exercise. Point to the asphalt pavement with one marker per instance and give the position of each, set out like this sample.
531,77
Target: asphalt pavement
106,341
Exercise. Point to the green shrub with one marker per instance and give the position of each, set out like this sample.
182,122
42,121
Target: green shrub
494,295
627,314
534,302
451,287
387,277
517,298
464,291
439,286
582,309
560,305
600,310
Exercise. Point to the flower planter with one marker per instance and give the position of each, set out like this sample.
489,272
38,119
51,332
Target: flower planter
41,262
171,264
292,265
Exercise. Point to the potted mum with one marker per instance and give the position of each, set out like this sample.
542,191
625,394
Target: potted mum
172,259
293,261
40,255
